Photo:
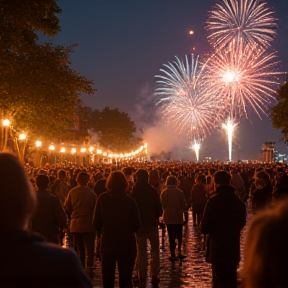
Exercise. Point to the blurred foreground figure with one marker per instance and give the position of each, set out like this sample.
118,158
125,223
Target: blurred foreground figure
266,250
26,260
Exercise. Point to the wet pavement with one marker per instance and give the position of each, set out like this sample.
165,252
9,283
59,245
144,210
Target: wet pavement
190,272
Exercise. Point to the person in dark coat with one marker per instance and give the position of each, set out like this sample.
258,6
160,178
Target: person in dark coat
50,218
150,210
26,259
223,219
261,193
198,199
99,188
117,218
185,185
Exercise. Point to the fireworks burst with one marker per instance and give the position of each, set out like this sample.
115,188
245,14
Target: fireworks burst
186,102
242,77
196,148
229,126
247,21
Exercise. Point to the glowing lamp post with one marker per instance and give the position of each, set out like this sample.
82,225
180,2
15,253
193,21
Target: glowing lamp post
5,126
22,138
82,151
51,150
51,147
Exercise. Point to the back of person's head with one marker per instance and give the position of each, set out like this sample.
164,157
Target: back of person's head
266,249
117,182
42,181
83,178
128,171
154,176
171,181
76,172
142,176
261,179
61,174
42,172
97,176
201,179
18,199
100,186
222,178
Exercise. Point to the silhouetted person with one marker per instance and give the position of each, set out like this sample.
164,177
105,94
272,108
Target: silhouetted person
26,260
174,204
117,218
150,210
79,206
224,217
50,218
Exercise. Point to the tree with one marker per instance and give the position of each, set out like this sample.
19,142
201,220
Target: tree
37,85
22,20
280,111
115,130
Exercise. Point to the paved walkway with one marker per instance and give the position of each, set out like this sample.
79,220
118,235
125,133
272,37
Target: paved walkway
191,272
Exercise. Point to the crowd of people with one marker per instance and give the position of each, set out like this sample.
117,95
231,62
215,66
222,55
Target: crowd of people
111,212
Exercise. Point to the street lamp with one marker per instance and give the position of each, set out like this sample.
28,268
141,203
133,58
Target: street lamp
6,123
5,126
22,138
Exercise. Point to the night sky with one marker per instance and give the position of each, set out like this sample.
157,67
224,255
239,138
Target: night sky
122,46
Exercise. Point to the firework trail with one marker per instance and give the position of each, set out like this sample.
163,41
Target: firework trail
241,21
186,103
243,77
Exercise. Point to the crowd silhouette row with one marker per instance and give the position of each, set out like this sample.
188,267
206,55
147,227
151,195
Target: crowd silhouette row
110,213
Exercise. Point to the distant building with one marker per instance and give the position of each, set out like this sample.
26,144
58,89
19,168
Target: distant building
267,152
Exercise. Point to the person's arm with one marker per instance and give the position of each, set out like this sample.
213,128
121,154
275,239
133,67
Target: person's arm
205,225
164,200
60,215
135,217
158,205
97,217
68,205
183,204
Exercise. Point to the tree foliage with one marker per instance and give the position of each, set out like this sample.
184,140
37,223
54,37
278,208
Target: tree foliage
21,21
115,130
280,111
37,85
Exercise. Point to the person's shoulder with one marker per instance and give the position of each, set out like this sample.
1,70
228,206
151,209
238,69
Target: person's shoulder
46,195
103,195
51,252
179,191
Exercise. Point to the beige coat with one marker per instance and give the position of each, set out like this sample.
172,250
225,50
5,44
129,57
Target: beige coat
174,204
79,206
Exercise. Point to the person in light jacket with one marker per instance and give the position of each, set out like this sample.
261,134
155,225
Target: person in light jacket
173,204
79,206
